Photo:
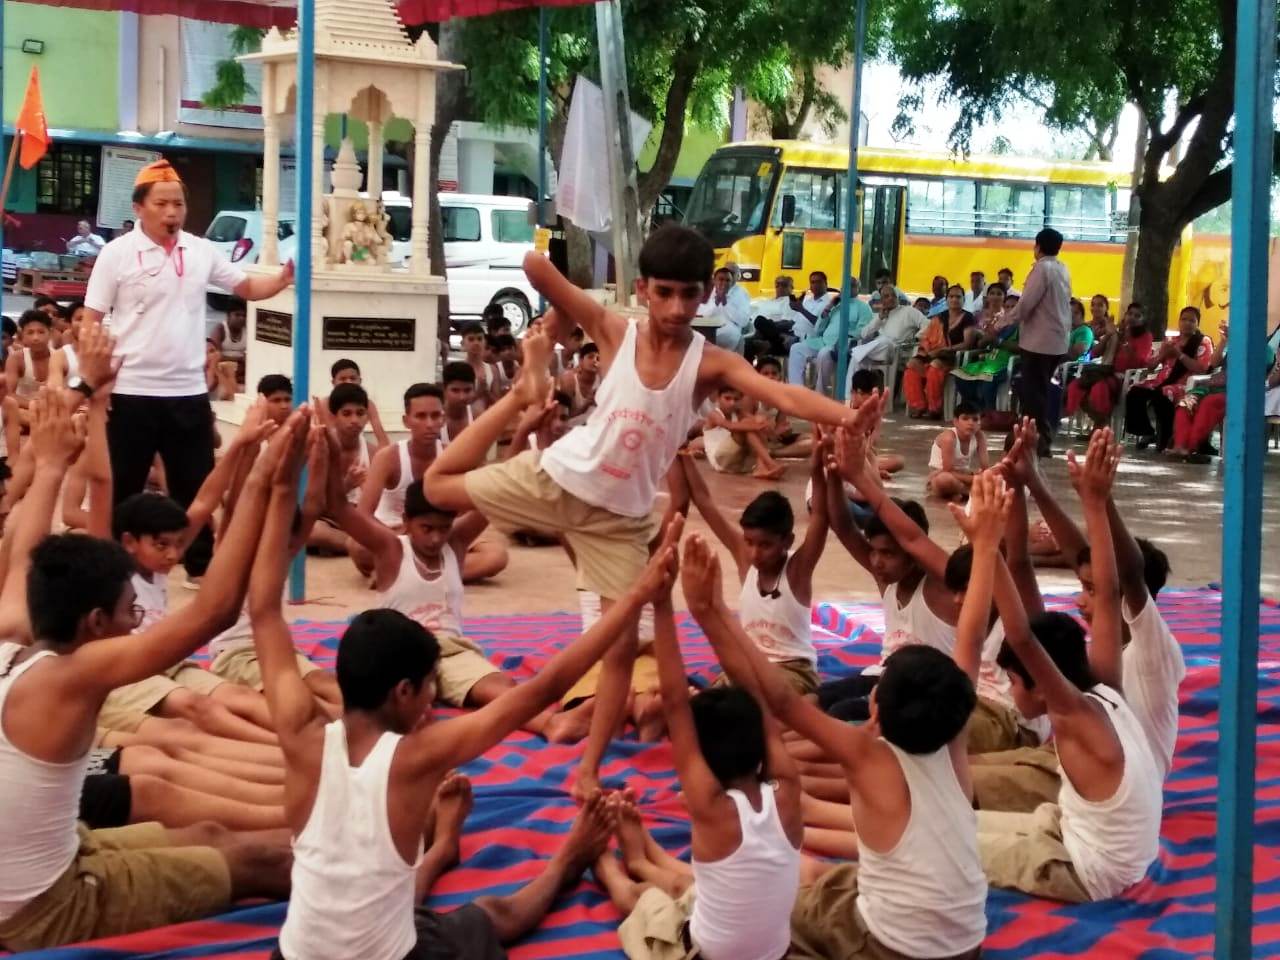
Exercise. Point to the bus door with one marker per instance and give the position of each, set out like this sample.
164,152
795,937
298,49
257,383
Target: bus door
881,229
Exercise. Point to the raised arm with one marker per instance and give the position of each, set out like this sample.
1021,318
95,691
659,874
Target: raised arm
838,517
101,666
377,481
288,698
209,496
1070,540
805,559
724,529
748,667
722,366
362,527
471,734
983,524
573,308
1094,479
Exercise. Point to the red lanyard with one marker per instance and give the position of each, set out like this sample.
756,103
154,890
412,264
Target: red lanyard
179,262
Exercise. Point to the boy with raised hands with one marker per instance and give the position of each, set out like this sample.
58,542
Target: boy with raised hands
743,794
1149,663
82,608
918,890
1103,833
359,791
777,581
597,484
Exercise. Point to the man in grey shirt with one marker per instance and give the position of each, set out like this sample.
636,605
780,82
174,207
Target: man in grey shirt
1044,317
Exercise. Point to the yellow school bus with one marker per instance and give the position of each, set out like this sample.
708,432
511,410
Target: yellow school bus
778,207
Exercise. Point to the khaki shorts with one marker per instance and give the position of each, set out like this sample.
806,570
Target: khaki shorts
1024,851
126,707
995,726
802,675
462,665
826,923
122,881
731,454
644,679
656,928
611,550
1016,780
240,666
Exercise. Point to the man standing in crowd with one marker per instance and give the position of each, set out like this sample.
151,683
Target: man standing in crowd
1044,313
150,283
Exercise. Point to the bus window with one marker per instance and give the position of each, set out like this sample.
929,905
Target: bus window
1080,213
819,198
1010,209
731,196
941,207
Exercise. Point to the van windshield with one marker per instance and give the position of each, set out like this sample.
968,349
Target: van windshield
731,198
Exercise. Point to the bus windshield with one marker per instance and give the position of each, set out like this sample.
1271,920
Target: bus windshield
731,197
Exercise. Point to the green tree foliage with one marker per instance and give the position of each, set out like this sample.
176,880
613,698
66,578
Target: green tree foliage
1083,60
231,88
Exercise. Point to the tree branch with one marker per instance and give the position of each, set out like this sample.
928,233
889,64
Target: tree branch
1216,189
684,70
1165,141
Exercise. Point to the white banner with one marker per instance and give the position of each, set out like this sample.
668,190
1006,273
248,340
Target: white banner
119,169
583,193
203,45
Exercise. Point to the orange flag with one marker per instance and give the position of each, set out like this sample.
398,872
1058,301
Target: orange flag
31,124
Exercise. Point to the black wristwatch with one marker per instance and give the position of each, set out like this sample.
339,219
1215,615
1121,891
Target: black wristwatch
80,386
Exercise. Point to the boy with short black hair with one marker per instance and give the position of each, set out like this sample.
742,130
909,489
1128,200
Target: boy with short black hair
348,407
506,363
277,390
918,890
598,483
777,582
733,441
1103,834
461,391
474,343
360,829
743,795
344,371
580,382
958,454
25,371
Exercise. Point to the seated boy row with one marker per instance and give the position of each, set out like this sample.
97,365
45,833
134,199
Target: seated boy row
904,773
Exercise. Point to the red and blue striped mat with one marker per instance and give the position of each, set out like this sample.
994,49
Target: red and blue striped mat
523,810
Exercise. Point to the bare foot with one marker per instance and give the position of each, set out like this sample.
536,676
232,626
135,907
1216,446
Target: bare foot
776,472
588,839
630,829
534,378
453,804
650,721
570,726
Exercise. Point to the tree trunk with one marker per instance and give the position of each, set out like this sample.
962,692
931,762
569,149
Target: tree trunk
684,70
450,87
1157,238
1135,212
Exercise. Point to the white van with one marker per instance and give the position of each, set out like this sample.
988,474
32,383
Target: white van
485,240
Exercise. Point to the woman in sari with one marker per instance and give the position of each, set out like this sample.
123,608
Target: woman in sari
1185,355
947,334
978,380
1097,387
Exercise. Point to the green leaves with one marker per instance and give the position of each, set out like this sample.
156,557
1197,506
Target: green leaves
231,88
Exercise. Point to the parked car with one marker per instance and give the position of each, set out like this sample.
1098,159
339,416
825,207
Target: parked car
485,241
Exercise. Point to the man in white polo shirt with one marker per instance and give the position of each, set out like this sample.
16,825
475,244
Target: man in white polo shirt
150,285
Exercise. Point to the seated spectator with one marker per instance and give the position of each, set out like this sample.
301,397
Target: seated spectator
948,333
938,302
734,442
978,381
1097,388
1187,354
895,322
976,298
778,321
1079,345
85,243
1203,407
726,308
821,344
957,454
1005,279
782,439
879,279
923,305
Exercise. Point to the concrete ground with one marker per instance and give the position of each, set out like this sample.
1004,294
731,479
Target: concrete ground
1179,506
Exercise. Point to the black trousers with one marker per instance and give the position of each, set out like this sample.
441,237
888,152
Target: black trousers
1139,404
849,698
180,429
1035,374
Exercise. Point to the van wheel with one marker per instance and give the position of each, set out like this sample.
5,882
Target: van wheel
516,310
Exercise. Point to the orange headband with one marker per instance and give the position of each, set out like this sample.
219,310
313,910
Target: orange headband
159,172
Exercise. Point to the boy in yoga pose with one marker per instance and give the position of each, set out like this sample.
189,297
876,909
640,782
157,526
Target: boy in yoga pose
419,573
348,407
597,484
777,582
918,889
460,394
348,371
359,828
580,382
82,609
1103,833
743,795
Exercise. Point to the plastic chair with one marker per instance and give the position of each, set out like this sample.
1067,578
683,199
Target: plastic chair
1131,379
949,389
890,366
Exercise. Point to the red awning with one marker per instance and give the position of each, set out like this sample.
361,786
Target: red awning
282,13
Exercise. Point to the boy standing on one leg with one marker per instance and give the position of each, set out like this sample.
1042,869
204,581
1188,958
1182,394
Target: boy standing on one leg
597,485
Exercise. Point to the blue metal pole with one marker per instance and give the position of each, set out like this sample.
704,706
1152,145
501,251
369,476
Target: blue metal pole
305,141
850,205
1243,453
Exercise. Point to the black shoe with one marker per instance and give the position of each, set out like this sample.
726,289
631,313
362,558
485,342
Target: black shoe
1143,442
1199,458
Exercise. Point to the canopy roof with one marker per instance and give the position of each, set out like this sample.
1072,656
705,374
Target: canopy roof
283,13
